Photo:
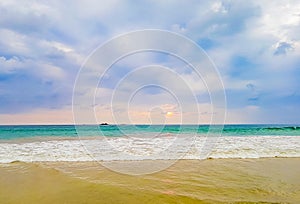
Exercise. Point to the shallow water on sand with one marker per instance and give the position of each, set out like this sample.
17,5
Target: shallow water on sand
273,180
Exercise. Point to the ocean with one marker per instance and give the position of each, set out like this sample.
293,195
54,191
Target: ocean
60,164
29,143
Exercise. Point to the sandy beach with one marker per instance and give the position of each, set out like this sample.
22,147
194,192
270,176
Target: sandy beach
265,180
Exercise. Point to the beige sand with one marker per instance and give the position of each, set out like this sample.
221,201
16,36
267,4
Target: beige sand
273,180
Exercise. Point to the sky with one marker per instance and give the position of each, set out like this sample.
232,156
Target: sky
254,45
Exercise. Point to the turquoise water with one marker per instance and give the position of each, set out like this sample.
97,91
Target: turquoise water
30,131
132,142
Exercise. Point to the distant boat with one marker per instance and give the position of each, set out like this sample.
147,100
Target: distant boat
104,124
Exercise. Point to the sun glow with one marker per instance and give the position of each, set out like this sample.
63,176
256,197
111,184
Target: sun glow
169,114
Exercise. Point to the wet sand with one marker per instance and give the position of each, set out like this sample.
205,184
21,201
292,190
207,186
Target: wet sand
266,180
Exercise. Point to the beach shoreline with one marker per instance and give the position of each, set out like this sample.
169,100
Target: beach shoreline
268,180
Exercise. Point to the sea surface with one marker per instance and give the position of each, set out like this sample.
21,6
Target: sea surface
29,143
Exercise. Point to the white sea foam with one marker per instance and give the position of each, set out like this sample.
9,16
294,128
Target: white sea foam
167,147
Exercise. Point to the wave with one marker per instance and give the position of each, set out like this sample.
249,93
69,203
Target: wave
162,148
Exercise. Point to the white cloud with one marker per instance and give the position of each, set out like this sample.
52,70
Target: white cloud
49,41
9,65
219,7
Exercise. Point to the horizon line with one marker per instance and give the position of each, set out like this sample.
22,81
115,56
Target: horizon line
44,124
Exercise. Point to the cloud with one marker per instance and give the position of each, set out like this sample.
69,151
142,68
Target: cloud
255,46
282,48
